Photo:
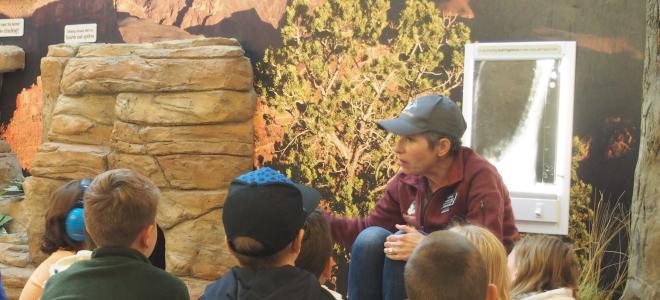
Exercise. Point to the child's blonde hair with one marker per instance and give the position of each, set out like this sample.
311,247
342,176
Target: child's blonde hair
543,263
494,255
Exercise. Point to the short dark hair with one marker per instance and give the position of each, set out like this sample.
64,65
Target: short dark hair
62,201
426,272
244,244
316,246
433,137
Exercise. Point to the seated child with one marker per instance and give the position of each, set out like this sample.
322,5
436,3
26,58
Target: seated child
264,215
56,242
543,267
494,255
120,217
316,253
447,266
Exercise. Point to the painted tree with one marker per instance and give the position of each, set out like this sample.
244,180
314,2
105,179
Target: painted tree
644,268
342,66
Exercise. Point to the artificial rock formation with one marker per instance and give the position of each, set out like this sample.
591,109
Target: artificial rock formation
178,112
9,167
12,58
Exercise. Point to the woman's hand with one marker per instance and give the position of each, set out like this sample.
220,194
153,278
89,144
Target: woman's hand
401,246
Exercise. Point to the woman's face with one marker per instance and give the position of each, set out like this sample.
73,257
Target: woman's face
511,265
414,155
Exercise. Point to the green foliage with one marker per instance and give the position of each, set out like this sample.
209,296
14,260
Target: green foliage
593,228
4,219
580,207
14,187
341,67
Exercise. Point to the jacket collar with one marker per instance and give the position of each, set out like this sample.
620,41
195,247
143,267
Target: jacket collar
120,251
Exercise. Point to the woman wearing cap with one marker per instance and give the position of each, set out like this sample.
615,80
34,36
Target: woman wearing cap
438,181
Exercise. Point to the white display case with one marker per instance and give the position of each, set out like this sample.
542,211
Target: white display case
518,104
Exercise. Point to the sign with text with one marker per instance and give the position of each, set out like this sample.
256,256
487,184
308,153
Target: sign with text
11,27
80,33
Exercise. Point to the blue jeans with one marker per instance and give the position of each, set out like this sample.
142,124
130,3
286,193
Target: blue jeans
371,275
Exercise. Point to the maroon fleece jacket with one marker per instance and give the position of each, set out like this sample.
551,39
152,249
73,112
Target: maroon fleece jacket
474,192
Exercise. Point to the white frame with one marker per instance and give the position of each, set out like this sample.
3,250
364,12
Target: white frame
546,210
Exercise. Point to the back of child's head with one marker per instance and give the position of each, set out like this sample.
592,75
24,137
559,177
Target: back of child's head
62,201
317,243
263,216
541,263
494,255
241,245
446,266
119,204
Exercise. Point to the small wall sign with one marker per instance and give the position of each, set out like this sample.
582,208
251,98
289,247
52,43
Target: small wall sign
80,33
12,27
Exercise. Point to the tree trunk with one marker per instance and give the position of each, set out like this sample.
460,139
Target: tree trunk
644,266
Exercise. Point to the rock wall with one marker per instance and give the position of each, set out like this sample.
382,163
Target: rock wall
9,168
200,12
12,58
179,112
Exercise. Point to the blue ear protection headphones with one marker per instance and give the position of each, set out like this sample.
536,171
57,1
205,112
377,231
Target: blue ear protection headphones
74,224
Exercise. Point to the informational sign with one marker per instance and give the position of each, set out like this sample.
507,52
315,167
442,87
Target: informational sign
80,33
533,50
11,27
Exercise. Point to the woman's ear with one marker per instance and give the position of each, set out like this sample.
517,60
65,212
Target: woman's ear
442,147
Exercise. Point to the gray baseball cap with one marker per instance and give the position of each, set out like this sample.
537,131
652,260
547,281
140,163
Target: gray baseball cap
427,113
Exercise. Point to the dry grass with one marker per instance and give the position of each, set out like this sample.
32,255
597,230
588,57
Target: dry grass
596,226
610,221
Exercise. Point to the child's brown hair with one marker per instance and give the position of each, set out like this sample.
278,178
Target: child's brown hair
62,201
118,205
317,244
446,265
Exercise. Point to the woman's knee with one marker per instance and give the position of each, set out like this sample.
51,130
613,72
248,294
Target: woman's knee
372,237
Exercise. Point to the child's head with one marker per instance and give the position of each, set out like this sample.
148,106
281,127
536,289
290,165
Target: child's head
120,210
427,274
264,216
493,253
540,262
316,253
61,203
